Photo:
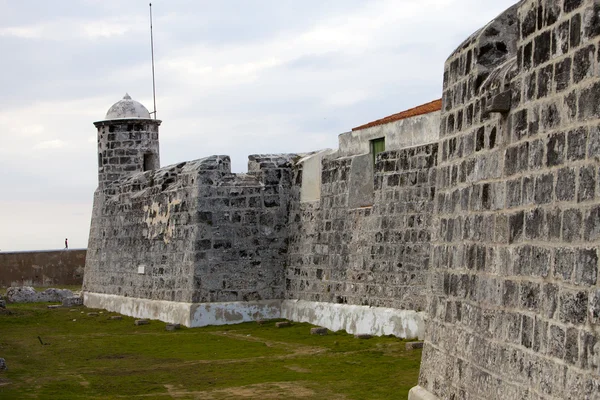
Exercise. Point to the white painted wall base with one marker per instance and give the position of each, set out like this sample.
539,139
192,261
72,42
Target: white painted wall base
377,321
167,311
203,314
187,314
420,393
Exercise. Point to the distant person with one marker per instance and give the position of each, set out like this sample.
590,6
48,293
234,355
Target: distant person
66,244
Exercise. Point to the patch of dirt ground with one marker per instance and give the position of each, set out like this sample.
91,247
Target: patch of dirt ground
274,390
297,368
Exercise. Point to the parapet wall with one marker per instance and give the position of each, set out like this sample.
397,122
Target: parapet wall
42,268
192,232
513,308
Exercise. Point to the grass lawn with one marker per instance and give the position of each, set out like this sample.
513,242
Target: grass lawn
95,357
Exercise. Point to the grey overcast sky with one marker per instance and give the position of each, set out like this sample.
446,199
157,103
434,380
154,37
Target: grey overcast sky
233,77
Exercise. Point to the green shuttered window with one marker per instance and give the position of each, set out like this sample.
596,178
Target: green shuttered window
377,146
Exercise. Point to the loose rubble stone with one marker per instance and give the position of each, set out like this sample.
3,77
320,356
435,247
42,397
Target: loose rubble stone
115,318
92,314
142,322
3,366
363,336
172,327
2,303
414,345
318,331
283,324
261,321
72,302
54,306
27,294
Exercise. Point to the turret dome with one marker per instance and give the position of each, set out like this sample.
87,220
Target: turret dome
127,108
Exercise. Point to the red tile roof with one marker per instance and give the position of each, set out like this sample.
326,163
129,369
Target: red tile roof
433,106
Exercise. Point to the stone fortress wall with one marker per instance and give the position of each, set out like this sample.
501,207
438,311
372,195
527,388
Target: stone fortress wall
365,240
195,244
190,233
514,302
478,223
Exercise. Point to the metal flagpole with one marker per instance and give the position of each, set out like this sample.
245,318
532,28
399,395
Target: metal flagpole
152,49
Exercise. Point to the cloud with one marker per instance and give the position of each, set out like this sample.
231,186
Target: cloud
23,32
345,98
50,144
283,76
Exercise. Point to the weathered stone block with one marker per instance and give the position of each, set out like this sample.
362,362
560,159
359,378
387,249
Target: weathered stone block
529,295
140,322
572,346
544,188
571,228
587,183
318,331
575,31
586,267
591,21
363,336
527,331
591,229
589,102
556,341
594,307
583,63
562,75
516,223
414,345
565,184
542,48
573,306
72,302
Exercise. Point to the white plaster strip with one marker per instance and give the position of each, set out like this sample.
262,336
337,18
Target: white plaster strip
377,321
203,314
167,311
187,314
353,319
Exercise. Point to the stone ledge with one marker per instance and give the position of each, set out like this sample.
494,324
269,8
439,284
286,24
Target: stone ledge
376,321
203,314
166,311
420,393
187,314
